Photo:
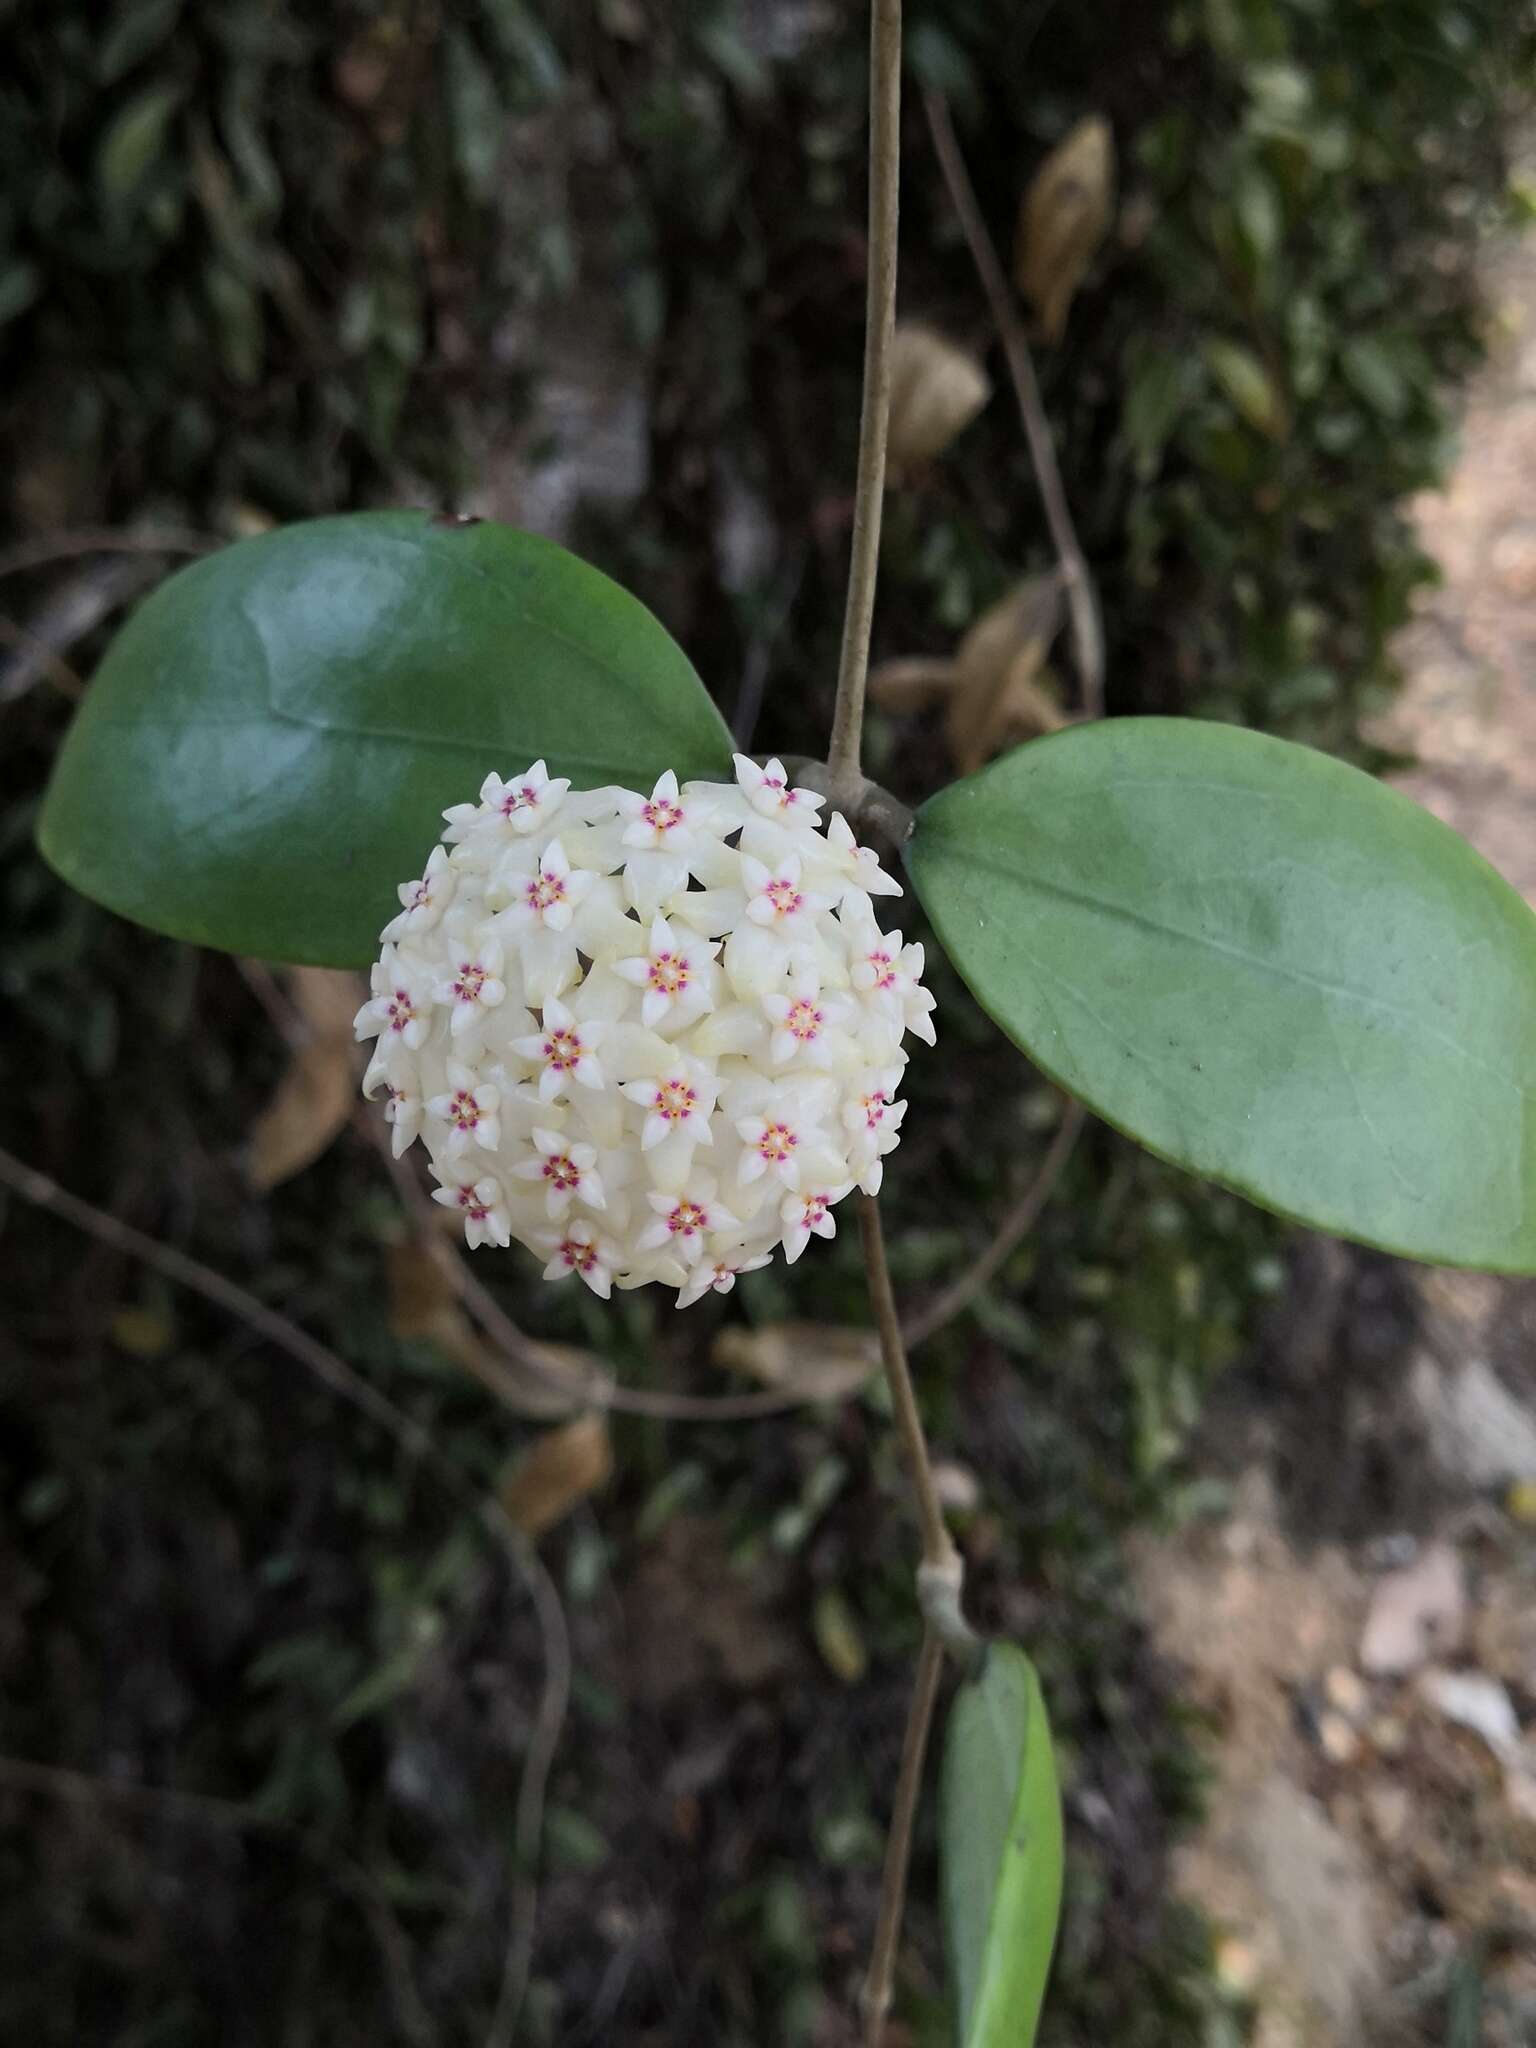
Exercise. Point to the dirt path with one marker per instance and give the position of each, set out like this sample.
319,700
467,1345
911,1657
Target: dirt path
1369,1854
1468,713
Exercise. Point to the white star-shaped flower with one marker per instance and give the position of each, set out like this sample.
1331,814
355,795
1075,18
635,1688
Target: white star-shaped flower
401,1005
481,1203
424,902
567,1169
805,1216
767,790
468,1108
717,1276
564,1051
473,983
578,1250
674,976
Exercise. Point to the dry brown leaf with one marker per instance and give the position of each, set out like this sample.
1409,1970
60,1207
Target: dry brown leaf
557,1473
424,1308
1000,700
1064,217
318,1090
912,684
937,389
817,1361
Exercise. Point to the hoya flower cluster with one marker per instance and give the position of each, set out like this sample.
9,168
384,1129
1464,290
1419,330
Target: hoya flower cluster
650,1037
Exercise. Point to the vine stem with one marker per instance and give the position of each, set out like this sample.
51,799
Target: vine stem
845,777
1082,602
939,1553
876,2000
939,1582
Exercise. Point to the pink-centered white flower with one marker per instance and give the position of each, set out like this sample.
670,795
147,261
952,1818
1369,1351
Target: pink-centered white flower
808,1215
683,1222
563,1051
578,1249
480,1202
651,1037
467,1110
400,1010
673,975
769,793
524,804
566,1169
423,903
393,1074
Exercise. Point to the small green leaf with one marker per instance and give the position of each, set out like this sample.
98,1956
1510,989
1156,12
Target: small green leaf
132,144
1000,1851
1376,373
270,742
1266,966
1248,384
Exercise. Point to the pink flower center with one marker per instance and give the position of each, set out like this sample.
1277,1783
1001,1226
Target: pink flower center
777,1143
804,1020
661,814
885,969
675,1100
577,1254
873,1107
471,1203
523,798
402,1010
472,978
562,1049
815,1210
564,1172
669,974
421,898
544,891
464,1111
395,1103
784,896
686,1219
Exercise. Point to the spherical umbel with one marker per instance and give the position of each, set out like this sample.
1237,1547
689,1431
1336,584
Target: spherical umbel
649,1037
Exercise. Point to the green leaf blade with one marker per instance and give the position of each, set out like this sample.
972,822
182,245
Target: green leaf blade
268,746
1262,964
1001,1851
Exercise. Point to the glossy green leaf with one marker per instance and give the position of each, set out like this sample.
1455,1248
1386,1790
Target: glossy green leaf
1000,1848
1263,964
269,744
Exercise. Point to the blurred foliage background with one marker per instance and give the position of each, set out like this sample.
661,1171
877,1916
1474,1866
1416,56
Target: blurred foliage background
598,266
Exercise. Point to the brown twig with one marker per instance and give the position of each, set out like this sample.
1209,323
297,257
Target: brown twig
417,1443
1011,1232
40,660
54,1781
876,1996
106,540
1082,602
844,774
